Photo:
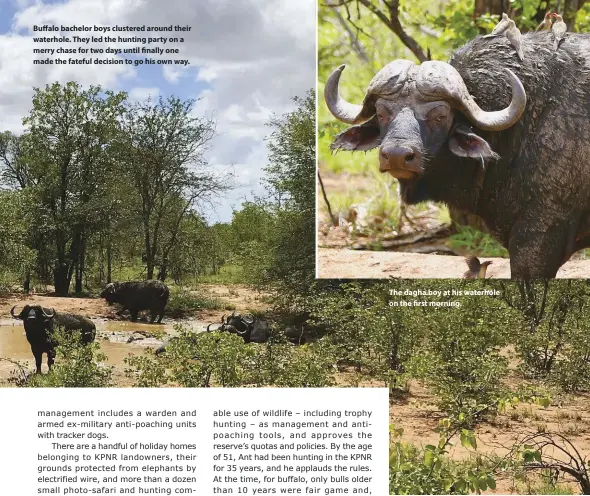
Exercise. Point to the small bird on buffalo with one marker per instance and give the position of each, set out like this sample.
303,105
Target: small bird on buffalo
558,28
545,23
477,269
503,25
513,35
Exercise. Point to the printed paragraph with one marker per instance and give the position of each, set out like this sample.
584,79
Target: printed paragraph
309,451
173,441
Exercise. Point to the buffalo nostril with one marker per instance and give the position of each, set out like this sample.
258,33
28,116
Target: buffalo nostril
410,157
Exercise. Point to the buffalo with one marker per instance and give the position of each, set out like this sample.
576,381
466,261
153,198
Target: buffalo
298,329
138,296
39,325
489,134
249,328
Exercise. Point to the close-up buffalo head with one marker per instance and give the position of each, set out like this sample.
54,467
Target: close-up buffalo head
410,113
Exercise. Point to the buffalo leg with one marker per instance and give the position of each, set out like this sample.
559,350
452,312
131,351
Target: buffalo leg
38,360
133,315
50,358
161,315
538,254
153,315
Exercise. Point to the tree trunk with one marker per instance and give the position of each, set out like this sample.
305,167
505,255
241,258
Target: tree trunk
569,11
27,283
80,264
109,261
61,281
162,273
494,7
150,269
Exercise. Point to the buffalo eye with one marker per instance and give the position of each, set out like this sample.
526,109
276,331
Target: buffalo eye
440,118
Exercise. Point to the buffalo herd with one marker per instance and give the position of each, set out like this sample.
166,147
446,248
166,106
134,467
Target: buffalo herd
40,322
134,297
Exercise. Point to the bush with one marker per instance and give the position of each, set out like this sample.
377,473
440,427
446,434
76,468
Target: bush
221,359
194,360
429,470
76,365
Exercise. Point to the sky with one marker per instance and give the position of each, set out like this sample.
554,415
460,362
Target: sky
247,60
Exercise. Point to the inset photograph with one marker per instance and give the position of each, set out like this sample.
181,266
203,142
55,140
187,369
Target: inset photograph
473,123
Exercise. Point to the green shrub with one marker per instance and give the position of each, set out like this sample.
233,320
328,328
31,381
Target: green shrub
476,242
76,365
221,359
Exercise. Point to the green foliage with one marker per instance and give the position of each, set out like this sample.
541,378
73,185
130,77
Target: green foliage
101,189
16,223
194,360
307,366
372,336
291,177
431,471
161,148
476,242
582,24
76,365
221,359
553,321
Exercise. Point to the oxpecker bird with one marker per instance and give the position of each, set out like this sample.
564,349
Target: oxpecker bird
477,270
502,26
513,35
546,23
558,28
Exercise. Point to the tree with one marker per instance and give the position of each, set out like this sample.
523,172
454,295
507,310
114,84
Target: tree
163,154
291,177
69,165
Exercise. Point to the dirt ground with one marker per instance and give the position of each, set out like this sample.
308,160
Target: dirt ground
341,263
241,296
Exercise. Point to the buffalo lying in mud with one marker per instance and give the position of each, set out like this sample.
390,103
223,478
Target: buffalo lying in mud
249,328
258,330
138,296
435,137
39,325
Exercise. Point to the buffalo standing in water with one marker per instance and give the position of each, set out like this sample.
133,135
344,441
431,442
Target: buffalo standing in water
39,325
435,137
138,296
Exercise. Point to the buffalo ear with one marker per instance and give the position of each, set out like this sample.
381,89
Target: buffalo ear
359,138
465,143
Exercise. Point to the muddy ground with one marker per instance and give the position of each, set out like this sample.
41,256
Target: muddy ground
117,336
342,263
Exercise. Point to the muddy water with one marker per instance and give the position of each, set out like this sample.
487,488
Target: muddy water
117,339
